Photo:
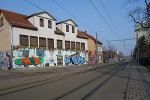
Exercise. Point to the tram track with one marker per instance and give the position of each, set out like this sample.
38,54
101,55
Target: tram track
17,88
97,87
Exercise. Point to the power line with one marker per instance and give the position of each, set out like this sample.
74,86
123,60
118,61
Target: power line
75,17
110,18
42,9
103,18
106,22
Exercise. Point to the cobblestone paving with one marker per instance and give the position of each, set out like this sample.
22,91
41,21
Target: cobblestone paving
138,85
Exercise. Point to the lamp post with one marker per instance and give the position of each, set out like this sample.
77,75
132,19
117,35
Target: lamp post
137,49
97,48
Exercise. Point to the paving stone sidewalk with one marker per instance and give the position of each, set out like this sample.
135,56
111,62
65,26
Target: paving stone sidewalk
139,83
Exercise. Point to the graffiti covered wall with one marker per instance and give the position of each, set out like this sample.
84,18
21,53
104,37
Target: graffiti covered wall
92,58
25,58
4,60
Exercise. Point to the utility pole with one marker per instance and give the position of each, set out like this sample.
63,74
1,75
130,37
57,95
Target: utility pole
137,49
96,50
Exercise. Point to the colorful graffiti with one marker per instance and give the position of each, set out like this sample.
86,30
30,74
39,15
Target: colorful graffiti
4,60
74,60
29,61
92,59
27,57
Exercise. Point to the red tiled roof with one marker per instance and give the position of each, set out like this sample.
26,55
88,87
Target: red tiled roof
17,19
99,42
59,31
79,34
68,20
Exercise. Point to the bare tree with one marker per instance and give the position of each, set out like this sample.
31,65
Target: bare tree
140,14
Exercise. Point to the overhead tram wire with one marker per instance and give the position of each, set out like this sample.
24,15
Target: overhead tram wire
112,21
103,19
41,9
110,18
75,18
106,22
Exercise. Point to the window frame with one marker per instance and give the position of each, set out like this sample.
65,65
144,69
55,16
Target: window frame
61,44
50,47
74,45
82,45
73,29
1,21
77,46
41,23
66,45
37,41
25,41
49,24
67,28
41,44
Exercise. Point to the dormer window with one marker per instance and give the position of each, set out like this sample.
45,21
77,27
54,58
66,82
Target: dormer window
49,24
41,22
67,28
1,22
73,30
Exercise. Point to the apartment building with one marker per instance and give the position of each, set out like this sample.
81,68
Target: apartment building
39,41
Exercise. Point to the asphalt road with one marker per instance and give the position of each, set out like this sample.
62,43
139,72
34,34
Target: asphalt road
72,88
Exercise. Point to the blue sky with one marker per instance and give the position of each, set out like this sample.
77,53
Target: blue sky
87,17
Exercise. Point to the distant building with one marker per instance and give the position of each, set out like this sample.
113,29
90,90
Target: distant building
92,46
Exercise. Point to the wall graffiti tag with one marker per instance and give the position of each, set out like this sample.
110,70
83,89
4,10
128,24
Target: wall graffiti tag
74,60
92,59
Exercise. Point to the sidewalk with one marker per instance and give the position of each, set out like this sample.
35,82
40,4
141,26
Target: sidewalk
139,83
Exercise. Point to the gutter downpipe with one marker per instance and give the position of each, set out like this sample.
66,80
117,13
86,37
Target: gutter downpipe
11,60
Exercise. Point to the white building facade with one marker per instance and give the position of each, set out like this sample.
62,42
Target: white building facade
37,41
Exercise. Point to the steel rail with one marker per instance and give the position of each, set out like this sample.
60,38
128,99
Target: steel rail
65,94
100,85
46,81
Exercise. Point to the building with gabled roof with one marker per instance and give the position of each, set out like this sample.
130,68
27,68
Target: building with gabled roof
92,46
37,41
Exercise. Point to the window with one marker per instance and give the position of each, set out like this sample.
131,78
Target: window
59,44
50,43
72,29
33,41
42,42
41,22
67,44
82,46
72,45
77,45
67,28
49,24
1,22
24,40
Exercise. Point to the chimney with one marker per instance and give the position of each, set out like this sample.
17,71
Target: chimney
85,31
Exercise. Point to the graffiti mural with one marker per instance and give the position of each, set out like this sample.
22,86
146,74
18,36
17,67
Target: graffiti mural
29,61
74,60
51,59
92,59
4,60
29,57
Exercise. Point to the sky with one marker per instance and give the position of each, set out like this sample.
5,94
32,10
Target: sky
84,14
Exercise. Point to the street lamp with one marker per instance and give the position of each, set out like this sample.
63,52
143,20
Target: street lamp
97,48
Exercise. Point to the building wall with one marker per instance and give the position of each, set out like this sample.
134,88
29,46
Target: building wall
91,45
27,58
5,35
5,46
69,36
